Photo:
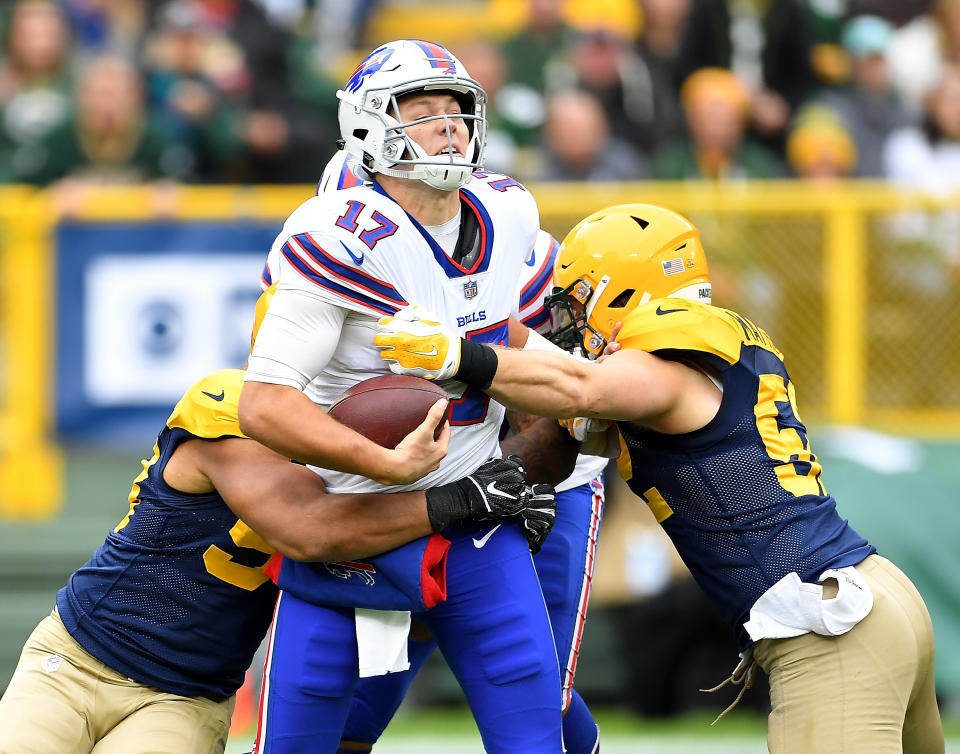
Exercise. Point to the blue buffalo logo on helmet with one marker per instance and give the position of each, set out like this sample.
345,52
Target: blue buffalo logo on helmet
371,64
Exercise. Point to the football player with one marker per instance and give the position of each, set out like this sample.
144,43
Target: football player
150,639
565,562
420,227
712,442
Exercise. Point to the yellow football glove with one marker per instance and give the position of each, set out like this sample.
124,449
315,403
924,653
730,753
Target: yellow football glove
414,342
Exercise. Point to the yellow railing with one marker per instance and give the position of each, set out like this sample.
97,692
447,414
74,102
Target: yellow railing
31,467
857,243
866,312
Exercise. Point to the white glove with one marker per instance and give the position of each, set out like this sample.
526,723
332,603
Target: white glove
414,342
580,426
598,437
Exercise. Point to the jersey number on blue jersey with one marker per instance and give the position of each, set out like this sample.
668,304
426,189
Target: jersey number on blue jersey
784,436
225,566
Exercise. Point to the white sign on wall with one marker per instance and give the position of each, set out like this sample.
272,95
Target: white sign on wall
156,323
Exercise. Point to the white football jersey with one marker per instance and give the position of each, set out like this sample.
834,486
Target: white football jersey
359,250
536,282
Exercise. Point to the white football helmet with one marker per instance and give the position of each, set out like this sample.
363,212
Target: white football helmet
370,127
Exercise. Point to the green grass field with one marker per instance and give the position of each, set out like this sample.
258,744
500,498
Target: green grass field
452,731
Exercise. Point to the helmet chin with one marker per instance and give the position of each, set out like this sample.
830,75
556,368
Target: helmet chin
447,178
441,177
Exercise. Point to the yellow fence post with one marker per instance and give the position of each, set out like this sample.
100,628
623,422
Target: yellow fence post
845,309
31,466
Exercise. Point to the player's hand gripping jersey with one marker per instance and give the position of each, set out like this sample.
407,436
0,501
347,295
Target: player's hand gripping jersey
346,258
183,561
737,541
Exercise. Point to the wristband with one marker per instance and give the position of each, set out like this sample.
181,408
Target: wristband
478,364
447,504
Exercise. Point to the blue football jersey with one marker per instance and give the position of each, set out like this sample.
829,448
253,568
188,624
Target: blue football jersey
740,498
176,597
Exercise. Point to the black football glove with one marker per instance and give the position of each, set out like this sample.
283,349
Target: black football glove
539,515
497,489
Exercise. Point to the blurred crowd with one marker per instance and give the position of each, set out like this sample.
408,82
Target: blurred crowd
211,91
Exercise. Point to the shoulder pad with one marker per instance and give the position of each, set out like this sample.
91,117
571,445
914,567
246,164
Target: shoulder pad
682,325
209,408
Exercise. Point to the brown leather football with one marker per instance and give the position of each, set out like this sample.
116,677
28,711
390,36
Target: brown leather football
386,409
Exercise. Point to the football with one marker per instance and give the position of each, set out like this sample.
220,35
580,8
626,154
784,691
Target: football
386,409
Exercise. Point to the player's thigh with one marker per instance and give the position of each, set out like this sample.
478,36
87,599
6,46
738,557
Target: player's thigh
169,724
494,632
376,699
494,612
922,727
312,670
47,702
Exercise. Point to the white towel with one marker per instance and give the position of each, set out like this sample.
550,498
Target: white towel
791,607
382,641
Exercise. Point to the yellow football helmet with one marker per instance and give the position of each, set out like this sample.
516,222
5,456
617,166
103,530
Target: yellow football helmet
260,311
616,259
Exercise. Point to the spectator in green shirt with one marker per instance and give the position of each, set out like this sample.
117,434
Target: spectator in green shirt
110,138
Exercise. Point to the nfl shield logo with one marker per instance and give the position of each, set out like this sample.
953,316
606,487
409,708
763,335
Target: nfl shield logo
470,289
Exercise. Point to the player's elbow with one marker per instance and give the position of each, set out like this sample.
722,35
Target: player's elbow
254,410
308,546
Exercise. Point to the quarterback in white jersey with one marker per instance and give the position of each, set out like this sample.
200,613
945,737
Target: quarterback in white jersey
565,562
344,259
428,228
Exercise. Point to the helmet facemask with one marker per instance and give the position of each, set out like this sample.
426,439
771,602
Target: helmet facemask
444,172
570,329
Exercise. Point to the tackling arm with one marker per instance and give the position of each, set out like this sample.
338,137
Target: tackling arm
629,385
289,506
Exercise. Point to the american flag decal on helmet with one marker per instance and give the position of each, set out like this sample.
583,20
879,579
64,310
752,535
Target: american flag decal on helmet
672,266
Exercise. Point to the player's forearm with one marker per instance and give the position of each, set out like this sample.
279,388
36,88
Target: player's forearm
540,382
284,419
353,526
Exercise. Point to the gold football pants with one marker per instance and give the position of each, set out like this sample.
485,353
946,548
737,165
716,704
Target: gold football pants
869,690
62,699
